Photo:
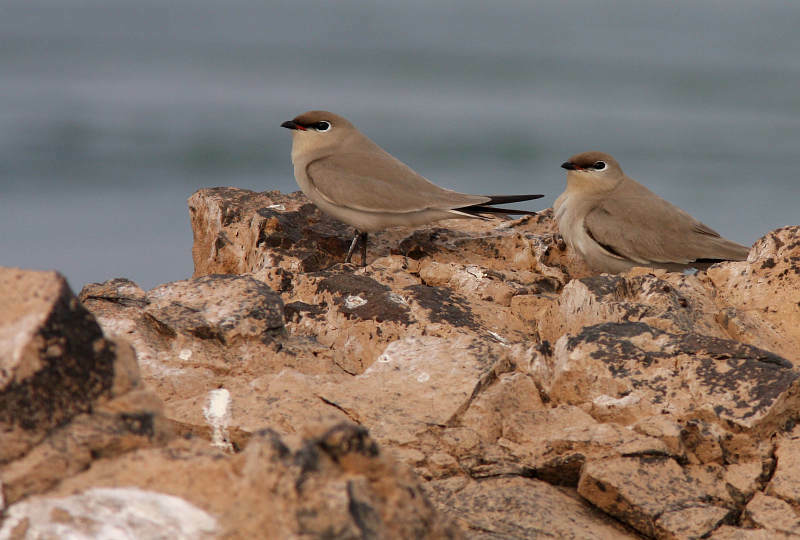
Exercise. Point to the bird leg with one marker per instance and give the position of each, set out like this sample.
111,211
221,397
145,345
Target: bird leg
363,237
352,247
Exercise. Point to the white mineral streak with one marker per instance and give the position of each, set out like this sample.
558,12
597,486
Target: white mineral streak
218,415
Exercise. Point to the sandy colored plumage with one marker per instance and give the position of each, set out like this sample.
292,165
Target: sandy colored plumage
616,223
354,180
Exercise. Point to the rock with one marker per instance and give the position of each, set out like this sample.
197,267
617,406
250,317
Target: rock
744,479
418,382
685,375
132,421
523,508
336,483
671,302
238,231
727,532
512,393
54,361
655,496
201,308
492,370
785,482
217,316
773,515
555,443
70,395
665,429
195,336
763,293
108,513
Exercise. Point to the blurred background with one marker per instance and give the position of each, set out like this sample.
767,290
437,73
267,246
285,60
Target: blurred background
113,112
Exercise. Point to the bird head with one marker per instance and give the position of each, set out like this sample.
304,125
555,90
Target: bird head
594,171
317,132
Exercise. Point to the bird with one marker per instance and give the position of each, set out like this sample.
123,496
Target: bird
616,223
351,178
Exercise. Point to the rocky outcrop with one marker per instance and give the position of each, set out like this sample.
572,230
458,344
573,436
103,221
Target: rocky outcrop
68,395
79,423
473,380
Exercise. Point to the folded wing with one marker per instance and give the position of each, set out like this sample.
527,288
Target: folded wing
381,183
638,225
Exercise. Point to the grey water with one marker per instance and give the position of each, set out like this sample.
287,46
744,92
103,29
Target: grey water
113,112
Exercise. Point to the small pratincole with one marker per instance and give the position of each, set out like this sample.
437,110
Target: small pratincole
615,223
356,181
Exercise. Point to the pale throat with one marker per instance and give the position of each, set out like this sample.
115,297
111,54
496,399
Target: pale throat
587,184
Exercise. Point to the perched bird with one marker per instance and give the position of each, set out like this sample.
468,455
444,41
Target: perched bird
356,181
616,223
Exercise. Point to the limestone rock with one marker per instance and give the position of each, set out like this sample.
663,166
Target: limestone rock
493,371
54,361
685,375
108,513
69,395
336,483
132,421
512,393
785,482
238,231
671,302
655,496
773,514
763,293
744,479
198,335
215,315
201,307
555,443
522,508
418,382
727,532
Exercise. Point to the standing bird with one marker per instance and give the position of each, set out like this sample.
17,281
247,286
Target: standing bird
356,181
616,223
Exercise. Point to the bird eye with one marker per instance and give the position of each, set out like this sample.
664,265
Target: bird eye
599,165
322,126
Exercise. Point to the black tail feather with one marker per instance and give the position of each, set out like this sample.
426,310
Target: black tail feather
487,207
481,209
505,199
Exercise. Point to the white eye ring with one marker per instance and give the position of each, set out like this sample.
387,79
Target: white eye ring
322,126
599,165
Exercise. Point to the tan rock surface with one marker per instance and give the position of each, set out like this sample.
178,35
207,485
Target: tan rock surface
418,382
772,514
54,360
688,376
727,532
785,482
655,496
493,373
669,301
523,508
69,395
555,443
335,484
763,293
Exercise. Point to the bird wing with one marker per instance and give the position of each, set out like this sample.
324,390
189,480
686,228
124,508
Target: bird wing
636,224
380,183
